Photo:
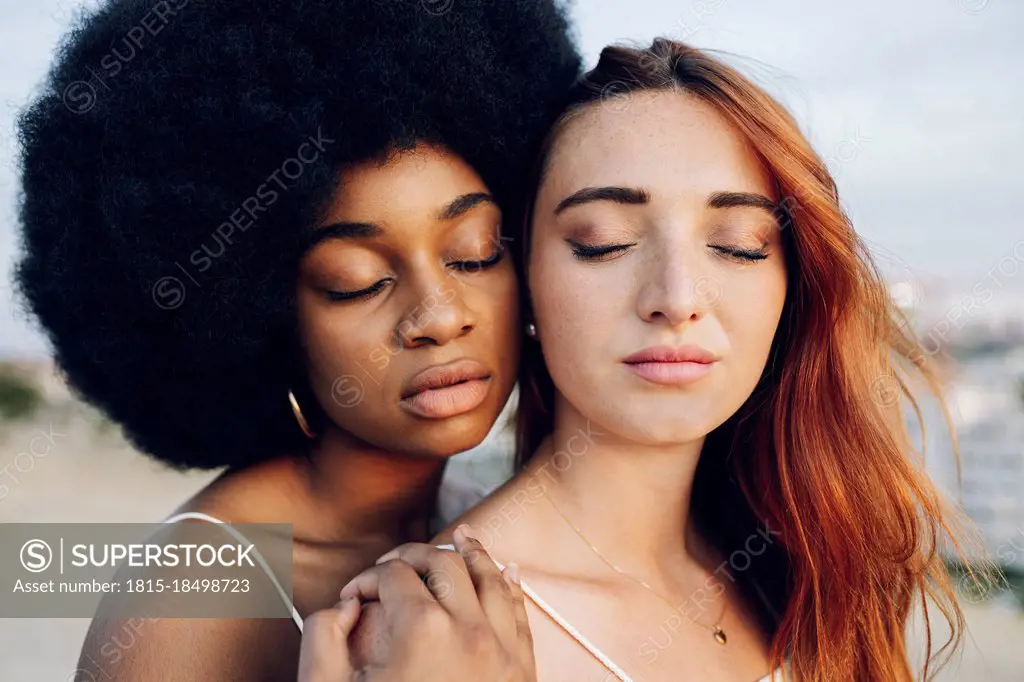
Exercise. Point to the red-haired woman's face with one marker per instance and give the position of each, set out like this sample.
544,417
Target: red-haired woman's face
656,268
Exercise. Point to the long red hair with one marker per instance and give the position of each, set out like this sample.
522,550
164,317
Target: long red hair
820,451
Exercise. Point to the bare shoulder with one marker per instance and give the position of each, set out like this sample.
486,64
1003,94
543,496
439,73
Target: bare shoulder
229,497
195,649
498,518
190,650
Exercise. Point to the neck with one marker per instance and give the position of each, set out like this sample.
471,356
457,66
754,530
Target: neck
629,499
358,489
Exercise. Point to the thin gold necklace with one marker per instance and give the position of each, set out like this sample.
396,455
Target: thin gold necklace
716,630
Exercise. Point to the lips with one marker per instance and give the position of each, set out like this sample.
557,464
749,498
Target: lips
688,353
671,365
447,390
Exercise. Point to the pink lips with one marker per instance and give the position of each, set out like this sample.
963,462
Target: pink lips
671,365
447,390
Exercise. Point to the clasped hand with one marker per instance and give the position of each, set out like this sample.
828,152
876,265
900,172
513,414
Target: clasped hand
424,614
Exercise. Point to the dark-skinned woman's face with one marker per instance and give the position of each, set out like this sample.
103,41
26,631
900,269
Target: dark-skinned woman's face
408,305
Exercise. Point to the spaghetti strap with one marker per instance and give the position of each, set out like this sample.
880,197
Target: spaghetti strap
607,662
566,625
228,528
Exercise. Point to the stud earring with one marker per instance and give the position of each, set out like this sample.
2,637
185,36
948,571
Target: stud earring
299,417
531,330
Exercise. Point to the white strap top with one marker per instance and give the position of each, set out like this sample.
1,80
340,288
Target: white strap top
198,516
580,637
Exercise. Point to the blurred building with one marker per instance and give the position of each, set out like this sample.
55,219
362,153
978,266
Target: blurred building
985,393
989,397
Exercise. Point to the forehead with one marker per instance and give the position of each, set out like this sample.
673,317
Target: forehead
665,141
419,180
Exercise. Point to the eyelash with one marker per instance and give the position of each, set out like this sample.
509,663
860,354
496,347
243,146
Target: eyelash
470,265
362,293
745,255
587,253
584,252
462,266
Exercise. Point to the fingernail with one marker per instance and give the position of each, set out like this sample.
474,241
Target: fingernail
467,530
513,572
393,554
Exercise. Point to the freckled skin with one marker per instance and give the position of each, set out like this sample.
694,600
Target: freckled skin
683,270
673,286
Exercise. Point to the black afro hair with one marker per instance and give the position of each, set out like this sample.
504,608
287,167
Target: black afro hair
176,157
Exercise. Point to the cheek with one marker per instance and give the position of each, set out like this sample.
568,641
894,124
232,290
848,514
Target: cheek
578,311
749,314
347,356
496,337
496,302
338,343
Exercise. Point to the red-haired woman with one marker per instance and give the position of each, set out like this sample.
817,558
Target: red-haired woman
714,486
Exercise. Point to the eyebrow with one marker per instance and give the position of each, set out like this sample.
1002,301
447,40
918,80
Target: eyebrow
464,203
636,195
748,199
344,231
618,195
356,230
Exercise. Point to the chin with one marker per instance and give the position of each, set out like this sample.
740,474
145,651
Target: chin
660,425
448,438
667,434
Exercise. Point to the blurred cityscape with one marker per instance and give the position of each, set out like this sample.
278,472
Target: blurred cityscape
978,339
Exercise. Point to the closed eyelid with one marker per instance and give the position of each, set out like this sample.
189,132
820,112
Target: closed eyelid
761,231
591,233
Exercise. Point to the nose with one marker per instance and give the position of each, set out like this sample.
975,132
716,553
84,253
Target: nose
673,292
437,314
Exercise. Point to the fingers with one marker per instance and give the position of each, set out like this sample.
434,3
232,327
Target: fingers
492,589
324,655
445,575
524,636
372,642
347,617
393,582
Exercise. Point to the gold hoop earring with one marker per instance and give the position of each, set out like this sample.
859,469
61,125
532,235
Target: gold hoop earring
299,417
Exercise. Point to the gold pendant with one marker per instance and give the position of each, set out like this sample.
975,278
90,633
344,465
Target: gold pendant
719,635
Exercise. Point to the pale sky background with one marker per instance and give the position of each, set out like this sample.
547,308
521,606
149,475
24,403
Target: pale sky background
916,104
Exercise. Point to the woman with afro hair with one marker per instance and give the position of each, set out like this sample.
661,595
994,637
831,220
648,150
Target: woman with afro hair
267,237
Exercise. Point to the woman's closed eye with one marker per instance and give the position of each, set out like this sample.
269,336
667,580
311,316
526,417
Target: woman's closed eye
368,292
468,266
477,265
741,254
603,252
597,252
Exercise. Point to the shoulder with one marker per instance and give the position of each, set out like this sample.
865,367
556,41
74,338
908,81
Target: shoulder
190,650
495,517
261,493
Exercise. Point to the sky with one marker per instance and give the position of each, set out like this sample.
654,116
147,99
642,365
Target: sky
916,105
